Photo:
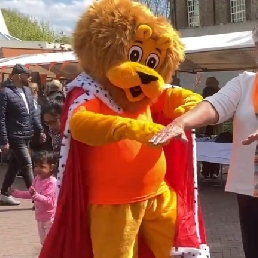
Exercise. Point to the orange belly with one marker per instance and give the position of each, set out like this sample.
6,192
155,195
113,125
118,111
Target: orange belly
124,172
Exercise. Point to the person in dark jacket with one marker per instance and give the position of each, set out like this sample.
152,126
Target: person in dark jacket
210,170
18,121
212,87
36,144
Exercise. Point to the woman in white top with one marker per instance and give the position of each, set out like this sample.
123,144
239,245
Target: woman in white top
238,99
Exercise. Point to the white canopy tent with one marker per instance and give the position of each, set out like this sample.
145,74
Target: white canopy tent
61,63
222,52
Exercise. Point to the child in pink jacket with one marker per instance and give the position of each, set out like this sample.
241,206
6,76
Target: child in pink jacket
42,192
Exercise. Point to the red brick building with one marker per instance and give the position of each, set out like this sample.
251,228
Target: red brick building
202,17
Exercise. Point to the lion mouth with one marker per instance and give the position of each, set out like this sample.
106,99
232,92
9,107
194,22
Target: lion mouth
136,91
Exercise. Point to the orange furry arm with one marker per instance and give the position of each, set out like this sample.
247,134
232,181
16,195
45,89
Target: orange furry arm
176,101
97,129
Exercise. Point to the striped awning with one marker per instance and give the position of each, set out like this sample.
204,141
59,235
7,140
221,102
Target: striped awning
62,64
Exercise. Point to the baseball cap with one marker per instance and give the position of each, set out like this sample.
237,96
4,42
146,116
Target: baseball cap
20,69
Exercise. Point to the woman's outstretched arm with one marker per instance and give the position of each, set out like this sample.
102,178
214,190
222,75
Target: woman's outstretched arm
215,109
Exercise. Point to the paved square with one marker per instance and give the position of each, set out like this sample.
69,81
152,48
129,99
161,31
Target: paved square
19,237
221,222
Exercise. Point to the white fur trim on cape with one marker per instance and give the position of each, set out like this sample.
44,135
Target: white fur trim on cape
94,90
190,252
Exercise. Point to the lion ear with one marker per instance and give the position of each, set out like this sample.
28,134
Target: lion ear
143,32
164,41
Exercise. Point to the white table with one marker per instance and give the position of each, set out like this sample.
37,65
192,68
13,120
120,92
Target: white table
215,153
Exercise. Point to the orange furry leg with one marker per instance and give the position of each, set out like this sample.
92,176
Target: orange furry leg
159,223
114,229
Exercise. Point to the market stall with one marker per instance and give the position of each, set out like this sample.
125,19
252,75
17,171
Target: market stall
222,52
52,65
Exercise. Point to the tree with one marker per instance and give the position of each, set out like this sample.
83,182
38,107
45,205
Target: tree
24,27
66,40
159,7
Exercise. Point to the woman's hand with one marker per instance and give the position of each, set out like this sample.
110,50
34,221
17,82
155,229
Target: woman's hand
171,131
251,138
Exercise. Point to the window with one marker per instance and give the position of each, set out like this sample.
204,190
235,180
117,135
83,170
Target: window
237,10
193,13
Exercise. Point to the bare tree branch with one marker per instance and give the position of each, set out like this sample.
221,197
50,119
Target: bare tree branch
159,7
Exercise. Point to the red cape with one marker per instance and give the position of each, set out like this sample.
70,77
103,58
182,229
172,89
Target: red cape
69,235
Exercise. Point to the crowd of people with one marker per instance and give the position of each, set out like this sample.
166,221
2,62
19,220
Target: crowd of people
30,133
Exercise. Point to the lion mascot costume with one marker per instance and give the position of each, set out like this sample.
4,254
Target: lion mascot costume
120,196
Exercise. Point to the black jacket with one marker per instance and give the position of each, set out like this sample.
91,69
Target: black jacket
15,121
36,144
209,91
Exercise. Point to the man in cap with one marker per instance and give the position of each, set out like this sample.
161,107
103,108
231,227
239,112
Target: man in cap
18,121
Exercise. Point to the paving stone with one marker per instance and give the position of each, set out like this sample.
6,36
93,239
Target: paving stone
19,237
221,221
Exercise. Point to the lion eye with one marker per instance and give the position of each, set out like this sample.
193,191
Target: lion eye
135,54
152,61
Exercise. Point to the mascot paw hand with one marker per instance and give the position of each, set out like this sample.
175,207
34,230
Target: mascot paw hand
142,131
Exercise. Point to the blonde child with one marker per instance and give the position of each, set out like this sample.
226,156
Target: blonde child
42,192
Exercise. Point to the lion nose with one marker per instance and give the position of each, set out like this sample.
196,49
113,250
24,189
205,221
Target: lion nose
146,78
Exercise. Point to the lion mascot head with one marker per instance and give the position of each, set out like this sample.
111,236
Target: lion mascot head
127,49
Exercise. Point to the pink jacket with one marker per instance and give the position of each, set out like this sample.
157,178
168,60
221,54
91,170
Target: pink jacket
44,199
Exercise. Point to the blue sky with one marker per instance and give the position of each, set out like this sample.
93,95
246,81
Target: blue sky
61,14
